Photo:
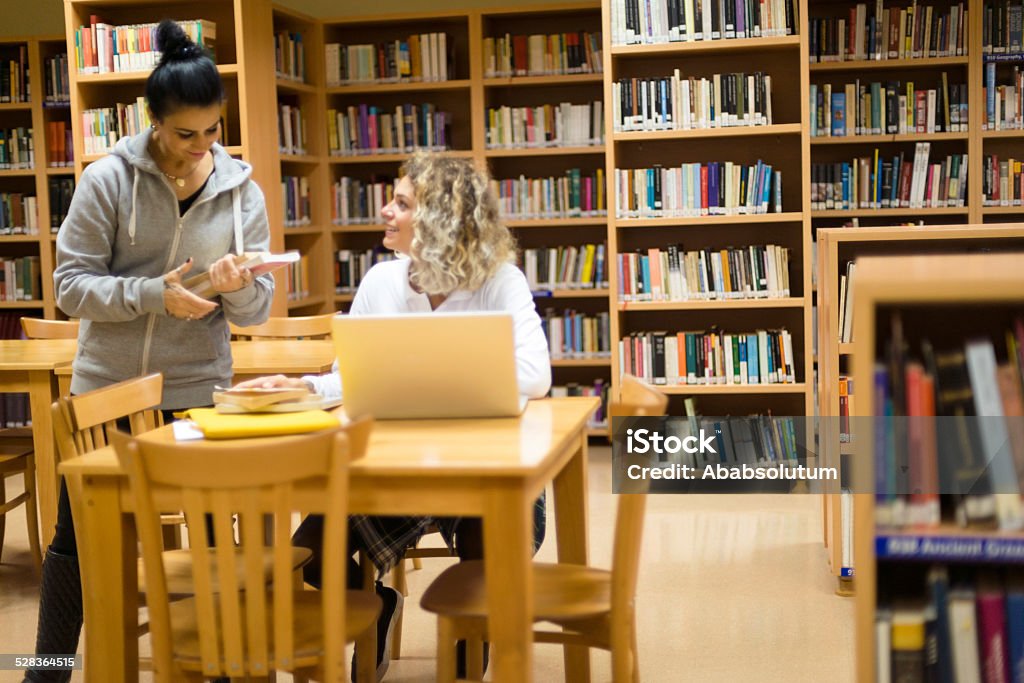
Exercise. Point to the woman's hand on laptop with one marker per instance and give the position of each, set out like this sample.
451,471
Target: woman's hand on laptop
272,382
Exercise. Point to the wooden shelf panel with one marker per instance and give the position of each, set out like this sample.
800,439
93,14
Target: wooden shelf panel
306,302
582,222
993,210
581,362
15,106
34,303
17,172
704,133
908,213
555,79
301,230
685,389
117,77
20,238
412,86
846,348
543,151
343,298
299,159
734,45
391,158
891,137
877,64
711,304
997,134
357,228
702,221
60,170
295,87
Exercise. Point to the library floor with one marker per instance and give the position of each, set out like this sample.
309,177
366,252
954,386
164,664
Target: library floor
731,588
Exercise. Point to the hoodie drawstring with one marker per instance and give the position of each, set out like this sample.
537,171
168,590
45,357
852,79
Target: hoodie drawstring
135,192
236,209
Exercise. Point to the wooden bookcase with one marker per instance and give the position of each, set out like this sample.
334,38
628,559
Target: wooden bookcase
948,299
836,247
33,114
246,65
784,145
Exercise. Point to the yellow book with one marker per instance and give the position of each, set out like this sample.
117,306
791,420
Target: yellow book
215,425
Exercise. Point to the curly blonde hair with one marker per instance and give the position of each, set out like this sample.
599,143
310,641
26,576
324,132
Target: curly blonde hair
459,240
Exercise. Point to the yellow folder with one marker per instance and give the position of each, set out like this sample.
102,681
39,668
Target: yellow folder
216,425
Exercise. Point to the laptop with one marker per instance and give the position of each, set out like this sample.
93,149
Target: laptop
428,365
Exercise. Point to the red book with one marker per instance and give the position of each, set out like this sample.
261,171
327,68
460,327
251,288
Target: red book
992,637
703,190
520,55
905,176
920,110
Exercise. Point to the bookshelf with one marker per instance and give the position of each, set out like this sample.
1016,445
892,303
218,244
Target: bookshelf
246,66
836,248
710,66
947,299
26,233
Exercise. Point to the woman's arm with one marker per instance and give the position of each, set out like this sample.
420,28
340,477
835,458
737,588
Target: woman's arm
251,305
84,286
533,362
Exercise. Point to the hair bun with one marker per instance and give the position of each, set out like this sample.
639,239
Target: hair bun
173,43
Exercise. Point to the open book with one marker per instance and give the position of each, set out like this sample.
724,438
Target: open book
257,400
259,262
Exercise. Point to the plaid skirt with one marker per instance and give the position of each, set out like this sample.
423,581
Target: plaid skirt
385,539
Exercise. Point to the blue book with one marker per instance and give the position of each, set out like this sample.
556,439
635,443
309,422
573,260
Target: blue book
1015,627
846,185
713,188
990,94
753,375
838,114
645,274
650,188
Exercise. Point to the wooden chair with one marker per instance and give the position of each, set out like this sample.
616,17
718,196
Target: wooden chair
243,626
594,607
17,456
299,327
38,328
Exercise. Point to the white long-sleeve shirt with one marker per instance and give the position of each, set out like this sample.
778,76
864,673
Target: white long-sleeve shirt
386,290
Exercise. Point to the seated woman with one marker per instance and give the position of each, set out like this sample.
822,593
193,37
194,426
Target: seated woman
444,218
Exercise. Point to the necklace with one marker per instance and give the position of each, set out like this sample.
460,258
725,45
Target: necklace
179,180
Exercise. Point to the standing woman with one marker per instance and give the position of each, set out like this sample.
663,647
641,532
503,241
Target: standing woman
165,202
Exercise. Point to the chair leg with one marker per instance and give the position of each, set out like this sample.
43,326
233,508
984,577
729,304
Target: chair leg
475,658
32,512
635,654
623,658
3,516
400,584
445,649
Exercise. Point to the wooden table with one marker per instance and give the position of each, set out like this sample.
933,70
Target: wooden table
493,468
28,365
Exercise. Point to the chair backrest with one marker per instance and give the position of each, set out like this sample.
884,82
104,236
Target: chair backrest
39,328
247,626
636,399
81,423
299,327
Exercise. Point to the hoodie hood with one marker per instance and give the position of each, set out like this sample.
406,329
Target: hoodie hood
228,172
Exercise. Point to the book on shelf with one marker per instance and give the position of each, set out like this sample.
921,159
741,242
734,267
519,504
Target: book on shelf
427,57
686,103
259,263
104,48
573,52
894,32
664,21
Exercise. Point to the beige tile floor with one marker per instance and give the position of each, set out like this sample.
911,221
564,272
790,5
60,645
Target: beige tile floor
732,588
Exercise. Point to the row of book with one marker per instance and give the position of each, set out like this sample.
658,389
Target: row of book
599,388
548,125
565,267
17,148
1004,106
955,623
666,21
420,57
291,130
350,267
1003,181
14,83
1002,28
295,196
757,441
60,190
887,108
103,48
572,334
297,279
290,56
358,202
716,188
895,182
366,129
19,214
709,357
895,32
14,407
574,194
55,71
577,52
20,279
103,127
677,103
846,409
754,272
967,442
60,144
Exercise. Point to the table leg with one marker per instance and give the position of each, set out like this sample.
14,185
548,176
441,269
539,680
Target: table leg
110,589
43,392
508,532
570,489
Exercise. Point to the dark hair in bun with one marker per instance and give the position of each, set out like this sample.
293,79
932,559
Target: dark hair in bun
185,76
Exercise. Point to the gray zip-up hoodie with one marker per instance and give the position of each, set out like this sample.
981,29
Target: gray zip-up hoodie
121,235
